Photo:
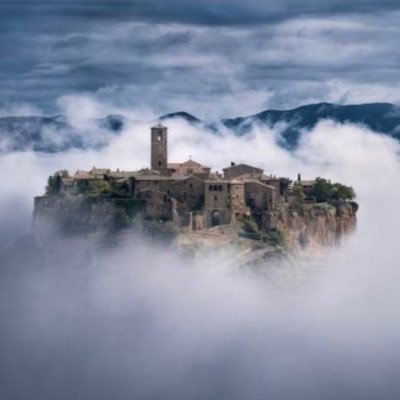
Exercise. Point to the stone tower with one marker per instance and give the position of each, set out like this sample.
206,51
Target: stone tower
159,147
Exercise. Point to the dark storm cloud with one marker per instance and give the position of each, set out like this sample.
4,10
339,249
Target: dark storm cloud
209,57
205,12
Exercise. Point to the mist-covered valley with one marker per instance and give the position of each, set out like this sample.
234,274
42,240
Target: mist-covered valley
139,321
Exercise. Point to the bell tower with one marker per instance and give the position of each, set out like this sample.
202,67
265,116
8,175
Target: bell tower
159,147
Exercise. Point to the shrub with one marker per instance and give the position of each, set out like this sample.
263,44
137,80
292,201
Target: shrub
275,236
325,191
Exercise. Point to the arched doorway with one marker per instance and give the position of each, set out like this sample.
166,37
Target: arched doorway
215,218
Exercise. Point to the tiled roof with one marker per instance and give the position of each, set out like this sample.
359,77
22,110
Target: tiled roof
242,165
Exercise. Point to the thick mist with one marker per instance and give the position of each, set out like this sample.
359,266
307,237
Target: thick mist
142,323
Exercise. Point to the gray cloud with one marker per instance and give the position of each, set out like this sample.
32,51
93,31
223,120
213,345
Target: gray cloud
247,58
143,323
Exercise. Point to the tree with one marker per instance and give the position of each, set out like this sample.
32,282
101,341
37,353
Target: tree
284,184
299,194
54,182
323,190
342,192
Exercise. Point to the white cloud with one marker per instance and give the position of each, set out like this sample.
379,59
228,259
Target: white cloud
141,313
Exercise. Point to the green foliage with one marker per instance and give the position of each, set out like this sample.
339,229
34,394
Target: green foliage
284,184
95,187
276,237
342,192
63,173
54,183
325,191
299,194
249,225
354,206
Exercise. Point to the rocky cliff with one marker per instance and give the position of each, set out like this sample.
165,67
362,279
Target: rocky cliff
289,229
312,225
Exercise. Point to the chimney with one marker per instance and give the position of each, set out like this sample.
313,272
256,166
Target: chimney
232,164
299,177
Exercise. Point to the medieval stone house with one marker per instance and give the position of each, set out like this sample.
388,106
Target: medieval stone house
189,188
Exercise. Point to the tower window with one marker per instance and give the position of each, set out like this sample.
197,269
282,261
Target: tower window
159,136
159,163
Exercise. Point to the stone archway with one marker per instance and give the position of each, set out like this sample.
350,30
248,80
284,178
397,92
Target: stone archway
215,218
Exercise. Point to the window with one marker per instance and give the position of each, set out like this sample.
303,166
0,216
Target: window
159,136
159,163
215,198
220,188
210,188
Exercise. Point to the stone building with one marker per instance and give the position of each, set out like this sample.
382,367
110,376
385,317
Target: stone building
306,185
235,171
188,191
159,148
217,205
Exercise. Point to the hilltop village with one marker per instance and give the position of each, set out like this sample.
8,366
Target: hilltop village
177,191
242,201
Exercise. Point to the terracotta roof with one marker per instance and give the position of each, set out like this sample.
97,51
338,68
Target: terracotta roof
259,183
99,171
82,175
67,181
190,162
242,165
184,178
147,171
157,178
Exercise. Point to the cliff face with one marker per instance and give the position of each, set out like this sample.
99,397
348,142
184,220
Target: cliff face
290,227
314,225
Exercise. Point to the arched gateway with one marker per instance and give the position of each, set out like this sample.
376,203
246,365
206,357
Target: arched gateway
215,218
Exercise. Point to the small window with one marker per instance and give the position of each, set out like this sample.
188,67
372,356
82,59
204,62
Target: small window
215,188
159,136
215,198
210,188
191,185
159,163
220,188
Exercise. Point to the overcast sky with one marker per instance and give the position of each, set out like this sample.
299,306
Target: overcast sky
211,58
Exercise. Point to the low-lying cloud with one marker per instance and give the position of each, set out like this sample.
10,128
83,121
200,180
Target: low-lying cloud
140,322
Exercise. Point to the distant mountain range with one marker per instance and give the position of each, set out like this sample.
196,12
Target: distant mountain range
55,134
382,118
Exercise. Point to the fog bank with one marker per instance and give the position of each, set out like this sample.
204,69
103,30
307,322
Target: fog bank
143,323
